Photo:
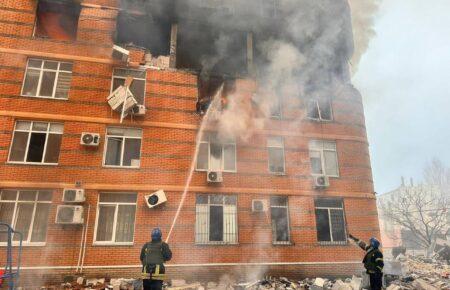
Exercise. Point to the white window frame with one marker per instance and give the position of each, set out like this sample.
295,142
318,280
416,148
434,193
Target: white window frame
14,217
332,242
30,131
284,155
233,143
274,241
41,72
209,204
114,76
122,147
320,119
322,157
116,211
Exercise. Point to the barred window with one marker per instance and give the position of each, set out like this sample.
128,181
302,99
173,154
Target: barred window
27,212
330,221
47,79
323,158
216,154
216,219
280,219
275,149
123,147
36,142
115,218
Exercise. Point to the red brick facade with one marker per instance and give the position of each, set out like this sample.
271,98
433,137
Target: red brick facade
168,141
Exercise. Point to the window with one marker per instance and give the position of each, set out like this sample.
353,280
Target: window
137,87
280,219
215,154
319,109
47,79
216,219
36,142
123,147
275,108
330,221
323,158
57,19
276,154
27,212
115,218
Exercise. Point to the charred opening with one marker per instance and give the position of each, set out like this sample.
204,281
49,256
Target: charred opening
57,19
210,49
144,30
208,86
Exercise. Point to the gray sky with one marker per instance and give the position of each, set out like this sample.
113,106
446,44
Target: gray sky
404,78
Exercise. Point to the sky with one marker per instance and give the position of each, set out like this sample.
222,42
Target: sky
404,78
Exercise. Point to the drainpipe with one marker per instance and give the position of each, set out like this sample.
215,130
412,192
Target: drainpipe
85,238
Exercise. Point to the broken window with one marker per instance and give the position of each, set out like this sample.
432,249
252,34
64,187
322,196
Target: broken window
323,158
115,218
36,142
275,149
57,19
215,154
275,108
27,212
47,79
330,220
137,86
146,31
216,219
319,109
123,147
280,219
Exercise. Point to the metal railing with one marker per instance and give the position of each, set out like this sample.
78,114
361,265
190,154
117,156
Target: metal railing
10,275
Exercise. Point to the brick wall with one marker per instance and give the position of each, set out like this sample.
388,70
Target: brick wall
169,130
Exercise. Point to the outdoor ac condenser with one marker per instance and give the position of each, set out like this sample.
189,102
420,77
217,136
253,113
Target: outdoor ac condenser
259,205
321,181
73,195
90,139
155,198
214,176
69,214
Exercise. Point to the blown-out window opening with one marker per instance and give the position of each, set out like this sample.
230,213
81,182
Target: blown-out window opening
137,86
319,109
275,147
279,212
330,221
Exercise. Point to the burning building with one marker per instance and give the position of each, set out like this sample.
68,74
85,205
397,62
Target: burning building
105,102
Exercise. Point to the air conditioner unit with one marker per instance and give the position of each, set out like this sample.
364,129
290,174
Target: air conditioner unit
214,176
120,53
90,139
139,110
73,195
321,181
69,214
155,198
259,205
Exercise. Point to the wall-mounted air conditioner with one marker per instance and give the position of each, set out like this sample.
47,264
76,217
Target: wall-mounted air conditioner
69,214
90,139
155,198
139,110
214,176
259,205
321,181
73,195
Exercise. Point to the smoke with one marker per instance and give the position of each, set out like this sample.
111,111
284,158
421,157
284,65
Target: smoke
363,17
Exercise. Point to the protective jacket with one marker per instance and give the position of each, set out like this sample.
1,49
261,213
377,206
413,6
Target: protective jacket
153,256
373,260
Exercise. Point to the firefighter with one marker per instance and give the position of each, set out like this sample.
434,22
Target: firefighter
373,261
153,256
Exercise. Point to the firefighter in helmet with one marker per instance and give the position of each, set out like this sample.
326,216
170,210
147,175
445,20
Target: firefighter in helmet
153,256
373,261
